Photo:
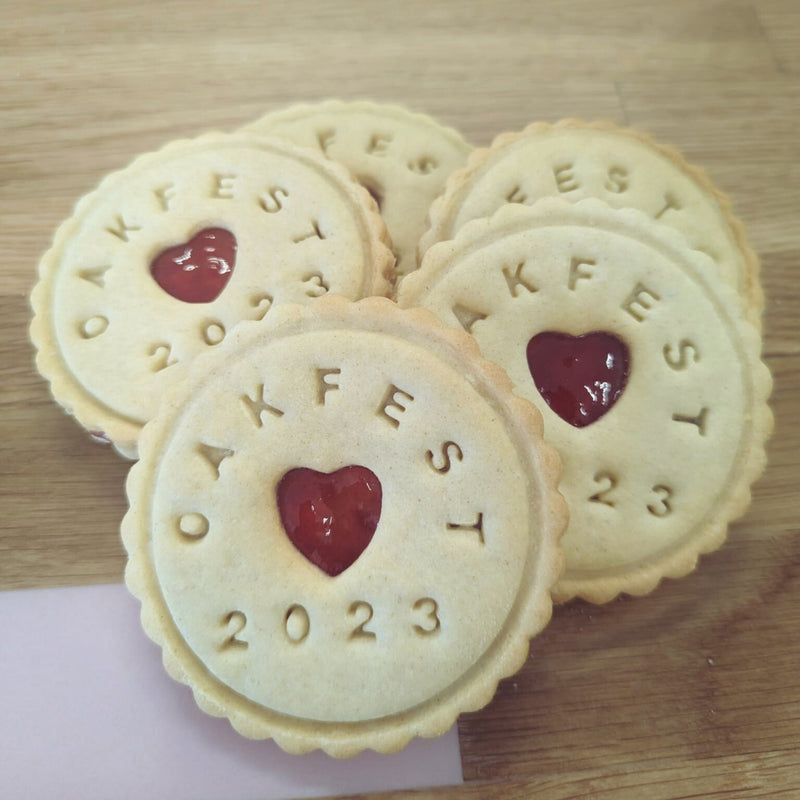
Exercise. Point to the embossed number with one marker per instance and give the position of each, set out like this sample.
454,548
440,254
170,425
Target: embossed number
609,484
212,332
297,624
432,623
663,507
262,303
235,621
363,612
161,354
316,284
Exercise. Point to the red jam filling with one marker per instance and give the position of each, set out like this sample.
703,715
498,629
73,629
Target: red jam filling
579,377
198,270
330,518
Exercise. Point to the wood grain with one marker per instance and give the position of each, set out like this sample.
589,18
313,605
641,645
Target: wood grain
691,691
733,778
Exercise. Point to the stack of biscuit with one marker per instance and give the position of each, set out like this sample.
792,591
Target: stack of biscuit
390,397
630,254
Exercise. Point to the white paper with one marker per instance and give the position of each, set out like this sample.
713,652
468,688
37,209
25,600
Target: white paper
87,711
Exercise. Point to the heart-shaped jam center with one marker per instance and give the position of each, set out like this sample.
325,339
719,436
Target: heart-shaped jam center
579,377
198,270
330,517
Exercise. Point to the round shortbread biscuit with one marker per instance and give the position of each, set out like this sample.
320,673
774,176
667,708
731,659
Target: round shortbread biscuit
456,523
622,166
161,261
648,376
402,157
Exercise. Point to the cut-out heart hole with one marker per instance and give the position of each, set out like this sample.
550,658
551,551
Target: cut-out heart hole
579,377
198,270
330,517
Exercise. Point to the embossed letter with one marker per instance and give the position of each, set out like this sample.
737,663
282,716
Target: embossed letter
315,231
516,195
424,165
96,276
324,386
467,317
272,202
223,186
121,229
516,280
325,139
477,527
699,420
258,405
214,456
638,301
165,194
686,350
378,144
447,461
193,526
576,273
390,401
565,178
213,333
93,327
669,202
617,180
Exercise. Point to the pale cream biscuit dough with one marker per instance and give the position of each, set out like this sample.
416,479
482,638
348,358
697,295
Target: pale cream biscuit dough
111,340
402,157
443,600
655,481
622,166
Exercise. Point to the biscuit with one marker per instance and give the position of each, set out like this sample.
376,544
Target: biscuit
161,261
645,369
343,528
622,166
402,157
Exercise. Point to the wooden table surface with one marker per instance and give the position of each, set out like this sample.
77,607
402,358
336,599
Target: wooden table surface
693,691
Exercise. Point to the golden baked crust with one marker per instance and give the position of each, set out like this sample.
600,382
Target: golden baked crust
403,157
654,482
575,159
110,339
441,603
